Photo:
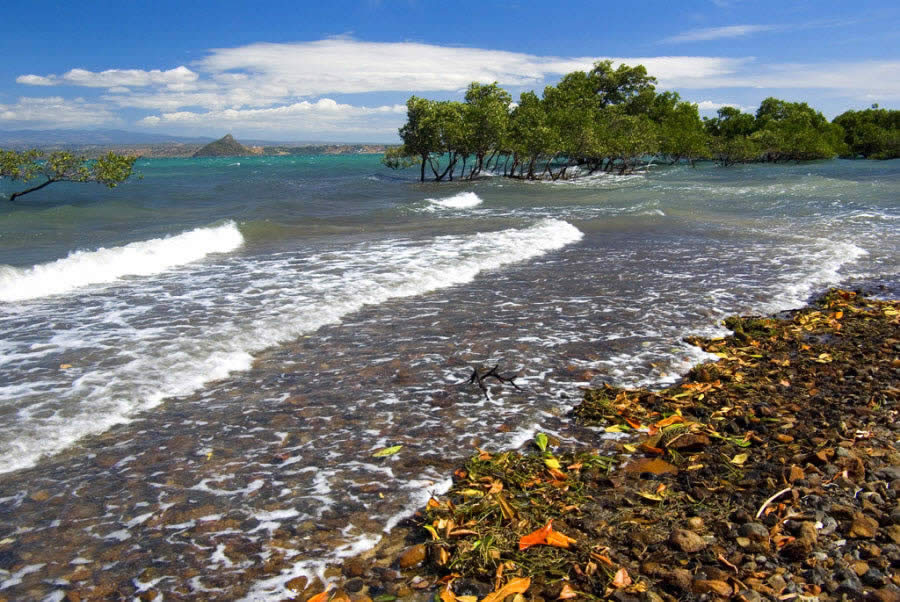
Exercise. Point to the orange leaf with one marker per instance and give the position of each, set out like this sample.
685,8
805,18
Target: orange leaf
447,595
558,540
557,474
649,449
670,420
433,503
519,585
634,423
652,430
319,597
567,592
602,559
621,579
536,537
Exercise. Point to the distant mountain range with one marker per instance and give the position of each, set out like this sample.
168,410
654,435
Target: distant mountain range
55,138
31,138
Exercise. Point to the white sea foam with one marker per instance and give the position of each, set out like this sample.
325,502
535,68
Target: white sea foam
143,258
179,330
463,200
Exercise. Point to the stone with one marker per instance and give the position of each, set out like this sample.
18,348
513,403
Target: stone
354,567
885,594
680,578
297,584
687,541
710,586
863,526
893,532
755,531
695,524
354,585
411,556
888,473
689,443
859,567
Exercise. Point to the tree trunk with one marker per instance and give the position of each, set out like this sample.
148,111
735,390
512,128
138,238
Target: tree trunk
14,195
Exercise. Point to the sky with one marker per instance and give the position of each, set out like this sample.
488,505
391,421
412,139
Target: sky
342,70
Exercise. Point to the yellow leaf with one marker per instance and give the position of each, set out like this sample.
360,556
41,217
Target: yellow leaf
650,496
65,366
629,448
519,585
387,451
471,493
552,463
616,428
467,598
739,459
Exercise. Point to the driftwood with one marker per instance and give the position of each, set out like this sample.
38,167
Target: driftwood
478,378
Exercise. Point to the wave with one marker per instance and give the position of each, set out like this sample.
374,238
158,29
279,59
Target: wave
227,311
463,200
142,258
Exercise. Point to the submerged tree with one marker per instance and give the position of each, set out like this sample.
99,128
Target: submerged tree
61,166
873,133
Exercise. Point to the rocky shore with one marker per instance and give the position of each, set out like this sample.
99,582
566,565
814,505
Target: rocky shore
770,474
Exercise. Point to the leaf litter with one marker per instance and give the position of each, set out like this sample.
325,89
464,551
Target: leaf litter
771,473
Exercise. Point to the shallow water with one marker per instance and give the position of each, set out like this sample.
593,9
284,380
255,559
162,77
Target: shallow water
196,368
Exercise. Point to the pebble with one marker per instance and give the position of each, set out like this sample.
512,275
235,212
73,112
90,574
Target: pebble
755,531
863,526
687,541
412,556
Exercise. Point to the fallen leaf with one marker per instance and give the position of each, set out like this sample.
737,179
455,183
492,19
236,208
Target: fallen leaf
447,595
545,536
567,592
65,366
552,463
536,537
319,597
740,459
519,585
387,451
669,421
634,423
541,441
621,579
558,540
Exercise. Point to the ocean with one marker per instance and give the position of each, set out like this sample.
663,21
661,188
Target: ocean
197,367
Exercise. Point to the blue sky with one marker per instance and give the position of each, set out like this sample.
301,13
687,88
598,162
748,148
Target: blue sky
342,70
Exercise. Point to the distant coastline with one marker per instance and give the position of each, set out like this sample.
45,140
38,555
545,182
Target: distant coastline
176,150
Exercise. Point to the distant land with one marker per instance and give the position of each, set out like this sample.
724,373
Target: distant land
96,142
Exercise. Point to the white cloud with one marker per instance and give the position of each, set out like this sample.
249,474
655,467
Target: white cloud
324,115
35,80
709,105
718,33
274,87
55,112
115,78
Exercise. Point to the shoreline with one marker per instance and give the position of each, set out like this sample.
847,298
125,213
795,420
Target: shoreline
718,500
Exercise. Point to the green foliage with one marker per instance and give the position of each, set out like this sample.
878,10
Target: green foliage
613,119
873,133
62,166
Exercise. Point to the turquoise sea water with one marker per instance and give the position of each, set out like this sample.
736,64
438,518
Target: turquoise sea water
239,335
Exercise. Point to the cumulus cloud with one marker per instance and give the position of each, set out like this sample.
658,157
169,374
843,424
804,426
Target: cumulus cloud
55,112
324,115
114,78
272,86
